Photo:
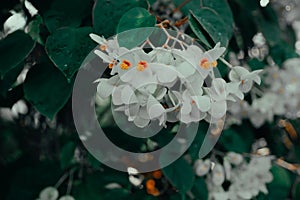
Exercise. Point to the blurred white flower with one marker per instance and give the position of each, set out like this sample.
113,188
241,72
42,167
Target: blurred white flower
234,158
218,175
244,77
15,22
66,197
202,167
49,193
31,9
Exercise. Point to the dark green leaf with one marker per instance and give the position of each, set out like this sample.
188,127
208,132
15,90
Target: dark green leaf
223,9
67,13
133,20
296,192
118,193
13,50
197,142
68,47
136,18
233,141
180,174
198,30
34,29
200,189
9,79
213,24
280,186
93,186
67,154
106,14
256,64
29,181
47,89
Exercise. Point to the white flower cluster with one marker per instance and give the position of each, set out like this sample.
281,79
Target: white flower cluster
246,180
51,193
169,84
280,96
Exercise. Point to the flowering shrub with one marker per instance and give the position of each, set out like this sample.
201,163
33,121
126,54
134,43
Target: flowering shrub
217,81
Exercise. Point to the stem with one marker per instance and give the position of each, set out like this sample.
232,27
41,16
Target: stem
70,183
226,63
181,5
61,180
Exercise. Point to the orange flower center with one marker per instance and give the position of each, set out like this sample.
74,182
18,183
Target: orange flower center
103,47
112,64
204,63
125,65
142,65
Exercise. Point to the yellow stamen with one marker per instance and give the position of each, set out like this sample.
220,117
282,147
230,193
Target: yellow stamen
125,65
214,63
142,65
204,63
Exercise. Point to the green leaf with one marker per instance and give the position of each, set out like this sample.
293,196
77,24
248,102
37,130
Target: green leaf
198,30
213,25
197,142
296,192
223,9
112,11
270,30
136,18
280,186
231,140
9,78
47,89
67,48
13,50
28,181
66,13
67,154
200,188
118,193
180,174
131,20
93,187
256,64
34,29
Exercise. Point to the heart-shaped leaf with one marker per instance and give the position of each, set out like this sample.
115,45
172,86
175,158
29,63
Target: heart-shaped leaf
13,50
47,89
67,48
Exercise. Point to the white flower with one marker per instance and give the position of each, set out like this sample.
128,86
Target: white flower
193,107
106,86
218,94
49,193
244,77
66,197
31,9
15,22
202,167
218,175
201,61
234,158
